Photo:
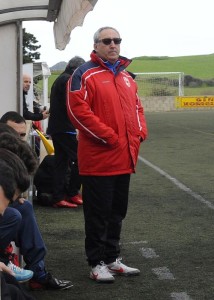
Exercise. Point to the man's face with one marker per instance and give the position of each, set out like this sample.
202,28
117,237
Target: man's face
109,52
26,83
21,128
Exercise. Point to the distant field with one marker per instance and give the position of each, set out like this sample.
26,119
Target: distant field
200,66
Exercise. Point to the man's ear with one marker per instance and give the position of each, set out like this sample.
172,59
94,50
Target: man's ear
95,46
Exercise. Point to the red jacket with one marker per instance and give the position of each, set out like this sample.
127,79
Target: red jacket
107,111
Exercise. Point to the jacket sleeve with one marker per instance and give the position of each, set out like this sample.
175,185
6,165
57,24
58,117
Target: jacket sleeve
83,118
28,115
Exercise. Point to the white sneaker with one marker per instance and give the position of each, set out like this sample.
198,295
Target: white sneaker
101,273
117,268
20,274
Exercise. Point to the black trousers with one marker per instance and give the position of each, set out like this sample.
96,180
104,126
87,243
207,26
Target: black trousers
105,202
66,172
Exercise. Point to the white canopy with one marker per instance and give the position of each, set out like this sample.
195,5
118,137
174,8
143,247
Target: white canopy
71,14
66,14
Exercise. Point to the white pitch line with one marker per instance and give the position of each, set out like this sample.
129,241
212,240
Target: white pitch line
135,243
180,296
148,253
163,273
179,184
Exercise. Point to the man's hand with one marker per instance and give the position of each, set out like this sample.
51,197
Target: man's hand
45,114
5,269
21,200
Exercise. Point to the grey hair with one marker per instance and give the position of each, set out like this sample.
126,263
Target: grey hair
97,33
74,63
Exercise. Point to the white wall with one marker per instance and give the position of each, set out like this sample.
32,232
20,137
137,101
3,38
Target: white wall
10,94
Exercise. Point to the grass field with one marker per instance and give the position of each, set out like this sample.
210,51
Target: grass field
169,229
199,66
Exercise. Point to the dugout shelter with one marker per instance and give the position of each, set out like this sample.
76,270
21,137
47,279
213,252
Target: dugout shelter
65,15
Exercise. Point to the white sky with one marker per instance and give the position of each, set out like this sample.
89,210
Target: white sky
147,27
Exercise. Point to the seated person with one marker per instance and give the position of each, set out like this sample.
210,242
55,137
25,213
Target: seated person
9,287
29,238
16,121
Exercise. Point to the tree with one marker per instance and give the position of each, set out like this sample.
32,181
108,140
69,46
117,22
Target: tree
29,48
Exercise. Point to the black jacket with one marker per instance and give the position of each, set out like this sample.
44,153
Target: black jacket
28,115
58,121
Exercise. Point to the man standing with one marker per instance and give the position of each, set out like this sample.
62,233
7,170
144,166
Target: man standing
28,115
103,104
35,115
66,182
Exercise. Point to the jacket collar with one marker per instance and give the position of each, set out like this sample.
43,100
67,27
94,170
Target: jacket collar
123,62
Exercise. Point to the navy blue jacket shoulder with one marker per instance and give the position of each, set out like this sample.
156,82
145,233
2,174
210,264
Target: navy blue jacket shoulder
58,120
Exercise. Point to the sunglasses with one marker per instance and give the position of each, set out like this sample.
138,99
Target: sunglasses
108,41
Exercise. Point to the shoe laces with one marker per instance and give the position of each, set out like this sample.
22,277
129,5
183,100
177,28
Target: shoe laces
103,267
118,261
15,268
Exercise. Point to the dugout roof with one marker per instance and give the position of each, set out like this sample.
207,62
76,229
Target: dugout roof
66,14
